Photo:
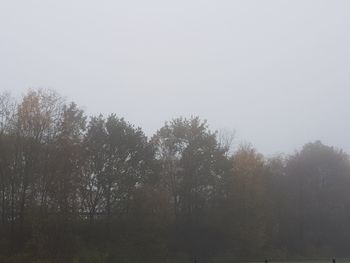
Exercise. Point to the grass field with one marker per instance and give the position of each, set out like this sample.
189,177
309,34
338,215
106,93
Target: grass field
287,261
263,261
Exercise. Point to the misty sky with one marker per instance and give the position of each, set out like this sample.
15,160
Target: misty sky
275,71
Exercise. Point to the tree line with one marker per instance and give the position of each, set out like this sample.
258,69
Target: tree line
95,189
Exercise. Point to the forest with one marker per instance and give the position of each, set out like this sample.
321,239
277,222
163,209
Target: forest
78,188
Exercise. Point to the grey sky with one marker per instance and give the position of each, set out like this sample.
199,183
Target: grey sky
275,71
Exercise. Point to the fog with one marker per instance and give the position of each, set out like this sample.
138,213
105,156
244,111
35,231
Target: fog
275,71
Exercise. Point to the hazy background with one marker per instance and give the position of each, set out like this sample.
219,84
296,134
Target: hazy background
275,71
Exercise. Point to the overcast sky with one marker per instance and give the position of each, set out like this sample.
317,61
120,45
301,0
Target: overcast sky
275,71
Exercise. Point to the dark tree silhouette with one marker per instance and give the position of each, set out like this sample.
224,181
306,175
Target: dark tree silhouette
79,189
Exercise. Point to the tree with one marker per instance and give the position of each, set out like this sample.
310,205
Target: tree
117,158
318,180
65,159
128,157
35,128
7,113
190,159
247,202
93,168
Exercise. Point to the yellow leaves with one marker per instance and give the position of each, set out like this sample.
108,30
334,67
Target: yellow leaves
247,162
38,113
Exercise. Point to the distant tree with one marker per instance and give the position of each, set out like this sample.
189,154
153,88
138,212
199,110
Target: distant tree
73,190
128,159
7,113
93,168
191,159
248,208
188,151
35,128
116,160
65,160
318,183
